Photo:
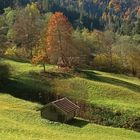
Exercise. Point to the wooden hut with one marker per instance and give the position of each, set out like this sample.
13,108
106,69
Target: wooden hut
61,110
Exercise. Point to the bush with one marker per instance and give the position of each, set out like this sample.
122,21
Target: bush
17,54
4,73
10,52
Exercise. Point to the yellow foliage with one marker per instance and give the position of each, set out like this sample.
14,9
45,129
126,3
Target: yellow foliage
10,51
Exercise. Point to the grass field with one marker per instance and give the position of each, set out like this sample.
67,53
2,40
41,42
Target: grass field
114,91
19,120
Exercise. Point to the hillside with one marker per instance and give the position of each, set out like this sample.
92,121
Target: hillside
100,14
19,120
113,98
96,87
120,15
86,51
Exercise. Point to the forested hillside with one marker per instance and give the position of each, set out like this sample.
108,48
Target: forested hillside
121,16
85,50
104,35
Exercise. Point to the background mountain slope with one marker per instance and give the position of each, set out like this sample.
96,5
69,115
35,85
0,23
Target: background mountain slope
119,15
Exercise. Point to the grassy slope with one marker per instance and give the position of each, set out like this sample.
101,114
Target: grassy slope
19,120
104,89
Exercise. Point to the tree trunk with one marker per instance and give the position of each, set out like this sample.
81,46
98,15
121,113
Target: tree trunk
44,67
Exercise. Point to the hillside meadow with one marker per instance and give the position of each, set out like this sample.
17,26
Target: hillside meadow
115,91
19,120
104,98
85,51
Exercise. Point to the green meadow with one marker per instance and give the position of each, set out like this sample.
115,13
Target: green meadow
118,92
20,120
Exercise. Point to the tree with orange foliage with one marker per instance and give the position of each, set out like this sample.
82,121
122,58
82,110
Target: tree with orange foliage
59,40
40,58
40,54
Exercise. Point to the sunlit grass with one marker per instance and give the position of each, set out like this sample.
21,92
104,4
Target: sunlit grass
101,94
115,91
19,120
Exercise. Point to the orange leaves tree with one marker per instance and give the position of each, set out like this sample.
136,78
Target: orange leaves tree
40,58
60,48
40,54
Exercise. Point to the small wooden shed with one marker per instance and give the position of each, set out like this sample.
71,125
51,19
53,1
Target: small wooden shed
61,110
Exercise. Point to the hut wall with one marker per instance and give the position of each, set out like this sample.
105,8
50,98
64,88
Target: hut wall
53,114
70,116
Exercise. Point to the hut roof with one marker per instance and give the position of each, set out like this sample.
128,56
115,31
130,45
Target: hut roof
66,105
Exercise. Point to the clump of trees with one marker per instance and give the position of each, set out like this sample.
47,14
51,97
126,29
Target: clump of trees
26,28
119,54
49,38
62,47
59,39
120,16
59,44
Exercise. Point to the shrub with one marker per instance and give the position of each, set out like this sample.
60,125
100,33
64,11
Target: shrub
10,52
18,54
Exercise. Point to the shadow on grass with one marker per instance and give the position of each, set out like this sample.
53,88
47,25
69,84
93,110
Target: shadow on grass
28,89
97,77
16,59
59,75
78,122
33,86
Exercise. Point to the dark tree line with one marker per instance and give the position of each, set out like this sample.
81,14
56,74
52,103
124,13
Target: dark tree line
119,16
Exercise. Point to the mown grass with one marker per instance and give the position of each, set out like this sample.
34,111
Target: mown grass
114,91
19,120
99,93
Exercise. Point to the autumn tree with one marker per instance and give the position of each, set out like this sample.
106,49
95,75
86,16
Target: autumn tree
40,58
27,28
87,46
109,40
40,55
60,49
105,50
